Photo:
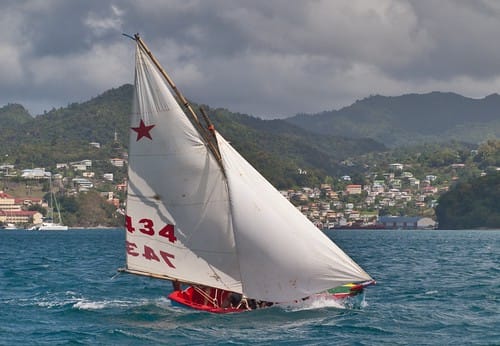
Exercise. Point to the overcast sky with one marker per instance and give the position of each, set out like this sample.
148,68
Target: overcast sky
269,58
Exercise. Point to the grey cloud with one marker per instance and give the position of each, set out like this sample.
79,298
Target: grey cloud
266,58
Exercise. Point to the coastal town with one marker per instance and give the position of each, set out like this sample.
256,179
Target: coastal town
27,207
340,203
362,206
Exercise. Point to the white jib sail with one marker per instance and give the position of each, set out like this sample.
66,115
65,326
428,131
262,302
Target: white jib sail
186,220
282,255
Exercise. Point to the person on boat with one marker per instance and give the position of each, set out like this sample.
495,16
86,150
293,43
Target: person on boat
264,304
245,303
252,304
176,285
233,300
238,301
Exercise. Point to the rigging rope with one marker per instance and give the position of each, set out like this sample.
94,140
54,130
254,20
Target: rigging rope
207,296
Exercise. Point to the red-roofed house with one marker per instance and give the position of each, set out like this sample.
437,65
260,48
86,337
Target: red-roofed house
21,217
11,209
353,189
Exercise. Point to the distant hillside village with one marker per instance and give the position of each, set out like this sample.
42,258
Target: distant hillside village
347,206
13,210
69,179
358,206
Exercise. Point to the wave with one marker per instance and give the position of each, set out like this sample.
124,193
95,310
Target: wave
314,303
77,301
85,304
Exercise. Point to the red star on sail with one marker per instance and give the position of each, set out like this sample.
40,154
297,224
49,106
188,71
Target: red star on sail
143,130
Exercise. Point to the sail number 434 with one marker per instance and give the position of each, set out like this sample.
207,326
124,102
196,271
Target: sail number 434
147,227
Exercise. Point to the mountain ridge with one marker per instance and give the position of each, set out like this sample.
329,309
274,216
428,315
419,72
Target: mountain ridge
274,147
410,119
321,144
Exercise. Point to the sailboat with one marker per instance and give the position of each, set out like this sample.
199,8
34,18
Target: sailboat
198,214
48,223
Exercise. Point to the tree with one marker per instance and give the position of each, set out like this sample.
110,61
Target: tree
471,204
93,210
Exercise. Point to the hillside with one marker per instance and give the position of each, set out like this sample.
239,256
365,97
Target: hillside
13,115
278,149
62,135
471,204
410,119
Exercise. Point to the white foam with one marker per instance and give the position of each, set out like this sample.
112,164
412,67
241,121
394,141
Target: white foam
90,305
85,304
76,301
316,303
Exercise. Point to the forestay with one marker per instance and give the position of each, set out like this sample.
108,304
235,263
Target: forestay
187,219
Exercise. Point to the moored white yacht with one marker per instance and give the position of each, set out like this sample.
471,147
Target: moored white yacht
50,226
48,223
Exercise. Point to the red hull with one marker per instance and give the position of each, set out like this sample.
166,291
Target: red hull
191,298
217,301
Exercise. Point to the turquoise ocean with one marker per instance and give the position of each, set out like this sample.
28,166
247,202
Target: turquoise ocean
433,288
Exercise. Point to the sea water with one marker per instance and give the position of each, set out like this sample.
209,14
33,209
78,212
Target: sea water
433,288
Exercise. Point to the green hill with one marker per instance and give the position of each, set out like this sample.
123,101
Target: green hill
12,118
63,135
411,119
282,151
471,204
13,115
278,149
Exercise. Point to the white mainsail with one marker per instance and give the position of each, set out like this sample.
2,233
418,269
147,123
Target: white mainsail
174,180
221,225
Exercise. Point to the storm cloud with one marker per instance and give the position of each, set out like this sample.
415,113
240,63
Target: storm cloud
268,58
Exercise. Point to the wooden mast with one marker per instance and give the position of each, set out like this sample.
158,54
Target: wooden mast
208,136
